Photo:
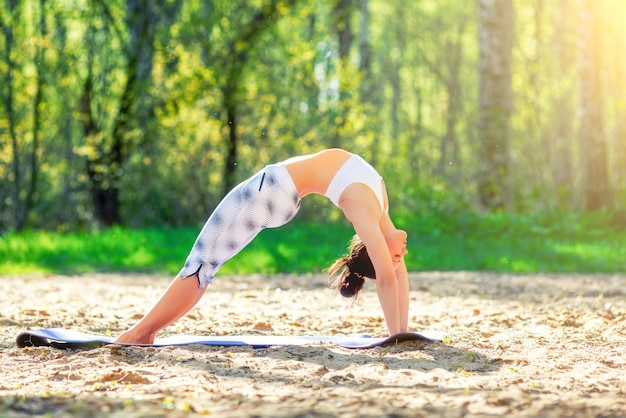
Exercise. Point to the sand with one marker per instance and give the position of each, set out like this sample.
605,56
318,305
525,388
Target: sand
516,345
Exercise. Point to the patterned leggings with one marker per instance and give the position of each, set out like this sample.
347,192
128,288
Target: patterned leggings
268,199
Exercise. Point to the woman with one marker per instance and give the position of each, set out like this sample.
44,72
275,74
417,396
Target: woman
270,199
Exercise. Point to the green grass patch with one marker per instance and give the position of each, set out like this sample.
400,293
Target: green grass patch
293,248
521,244
508,243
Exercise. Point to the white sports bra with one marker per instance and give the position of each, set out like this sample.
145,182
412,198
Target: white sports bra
355,170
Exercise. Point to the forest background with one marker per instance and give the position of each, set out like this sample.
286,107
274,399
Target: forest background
144,113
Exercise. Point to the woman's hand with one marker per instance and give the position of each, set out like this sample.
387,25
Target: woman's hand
131,337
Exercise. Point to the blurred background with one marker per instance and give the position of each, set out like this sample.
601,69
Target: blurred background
145,113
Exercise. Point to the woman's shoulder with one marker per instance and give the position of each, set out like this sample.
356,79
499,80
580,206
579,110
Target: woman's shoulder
359,204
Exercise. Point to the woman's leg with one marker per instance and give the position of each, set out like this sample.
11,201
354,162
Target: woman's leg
267,199
223,235
178,299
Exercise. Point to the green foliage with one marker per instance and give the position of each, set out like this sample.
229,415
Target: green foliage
523,244
410,108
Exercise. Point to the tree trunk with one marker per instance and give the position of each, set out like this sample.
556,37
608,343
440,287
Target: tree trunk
562,161
365,49
8,99
342,12
368,84
449,143
37,103
593,143
453,60
25,163
105,169
234,62
105,199
368,89
495,27
396,97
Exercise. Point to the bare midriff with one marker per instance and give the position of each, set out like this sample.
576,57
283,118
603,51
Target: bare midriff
313,173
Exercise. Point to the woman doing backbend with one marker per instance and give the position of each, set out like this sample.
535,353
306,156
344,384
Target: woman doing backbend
271,198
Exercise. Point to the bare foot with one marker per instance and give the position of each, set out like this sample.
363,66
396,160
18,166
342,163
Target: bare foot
132,337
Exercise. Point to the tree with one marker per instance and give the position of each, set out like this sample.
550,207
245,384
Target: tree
342,13
593,143
109,149
235,60
17,107
239,37
495,31
447,27
146,112
562,150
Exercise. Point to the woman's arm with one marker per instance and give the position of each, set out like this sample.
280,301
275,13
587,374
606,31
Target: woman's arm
388,296
403,295
365,219
387,286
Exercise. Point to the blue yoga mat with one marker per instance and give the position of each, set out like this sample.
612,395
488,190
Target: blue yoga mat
65,338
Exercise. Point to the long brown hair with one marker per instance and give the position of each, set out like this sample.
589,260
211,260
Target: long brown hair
349,272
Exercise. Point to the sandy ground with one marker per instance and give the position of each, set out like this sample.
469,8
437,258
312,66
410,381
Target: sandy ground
517,345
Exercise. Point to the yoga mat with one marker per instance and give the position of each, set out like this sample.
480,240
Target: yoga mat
65,338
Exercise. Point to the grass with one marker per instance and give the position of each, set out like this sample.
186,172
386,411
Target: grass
523,244
293,248
508,243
